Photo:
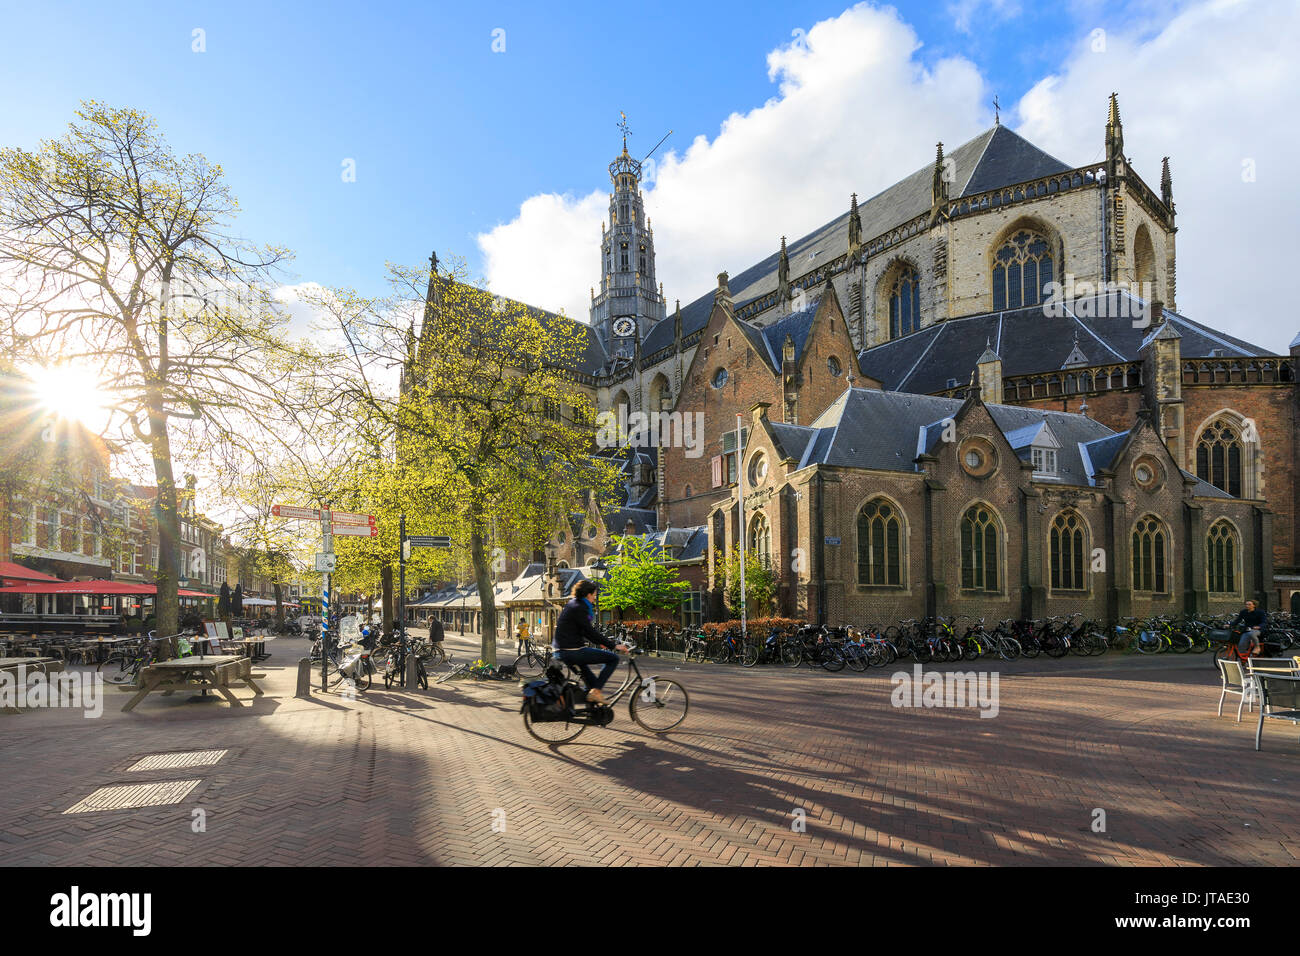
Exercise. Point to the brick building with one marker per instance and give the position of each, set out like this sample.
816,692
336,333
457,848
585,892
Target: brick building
1052,286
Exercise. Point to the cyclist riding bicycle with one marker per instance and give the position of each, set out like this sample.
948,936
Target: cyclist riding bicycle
574,633
1252,619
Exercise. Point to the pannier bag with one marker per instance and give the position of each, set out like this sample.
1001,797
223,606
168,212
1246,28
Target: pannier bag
545,701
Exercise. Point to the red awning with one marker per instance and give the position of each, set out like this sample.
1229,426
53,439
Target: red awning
94,587
9,571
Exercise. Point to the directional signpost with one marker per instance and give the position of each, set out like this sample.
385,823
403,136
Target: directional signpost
404,555
331,523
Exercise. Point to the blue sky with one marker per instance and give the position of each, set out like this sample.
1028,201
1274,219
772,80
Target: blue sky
448,136
450,139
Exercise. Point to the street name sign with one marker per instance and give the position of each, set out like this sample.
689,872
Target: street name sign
364,530
429,540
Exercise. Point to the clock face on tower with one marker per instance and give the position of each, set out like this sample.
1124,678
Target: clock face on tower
624,326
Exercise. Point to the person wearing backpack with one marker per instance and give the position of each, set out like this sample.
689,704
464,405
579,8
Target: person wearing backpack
574,636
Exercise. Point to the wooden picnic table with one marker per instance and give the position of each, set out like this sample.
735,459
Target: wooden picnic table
18,666
213,672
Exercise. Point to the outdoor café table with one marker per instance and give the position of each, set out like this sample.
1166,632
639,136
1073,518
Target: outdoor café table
20,667
216,672
105,645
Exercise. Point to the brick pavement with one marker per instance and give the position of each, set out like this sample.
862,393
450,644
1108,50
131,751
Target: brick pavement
415,778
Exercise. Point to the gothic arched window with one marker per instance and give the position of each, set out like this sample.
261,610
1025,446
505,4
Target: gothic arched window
643,269
1219,454
880,546
760,539
1222,548
1067,548
979,549
623,252
905,303
1021,268
1150,551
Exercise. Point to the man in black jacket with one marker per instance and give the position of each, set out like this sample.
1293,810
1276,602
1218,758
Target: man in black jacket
435,630
574,633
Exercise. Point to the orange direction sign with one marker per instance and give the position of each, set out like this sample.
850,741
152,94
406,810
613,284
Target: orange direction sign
290,511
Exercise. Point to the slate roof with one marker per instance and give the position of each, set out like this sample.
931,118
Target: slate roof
643,520
996,157
1030,341
866,428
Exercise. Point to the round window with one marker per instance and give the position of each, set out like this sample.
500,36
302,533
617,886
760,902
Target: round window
833,366
973,459
591,531
720,378
977,457
758,469
560,537
1144,474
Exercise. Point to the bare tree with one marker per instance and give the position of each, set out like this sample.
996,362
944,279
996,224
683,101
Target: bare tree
116,250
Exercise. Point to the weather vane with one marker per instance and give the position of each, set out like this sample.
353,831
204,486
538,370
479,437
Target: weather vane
624,127
997,110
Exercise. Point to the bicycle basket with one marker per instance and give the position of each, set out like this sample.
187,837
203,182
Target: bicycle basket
545,701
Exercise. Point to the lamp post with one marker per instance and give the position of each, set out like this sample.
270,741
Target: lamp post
740,497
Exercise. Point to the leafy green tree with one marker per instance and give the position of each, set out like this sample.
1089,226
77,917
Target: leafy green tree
489,429
637,578
760,583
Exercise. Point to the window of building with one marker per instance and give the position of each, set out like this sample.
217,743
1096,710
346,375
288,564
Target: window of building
68,533
1021,268
692,612
880,545
905,303
1219,457
1067,548
1221,552
1044,461
623,256
642,261
1150,548
760,539
686,492
833,366
979,549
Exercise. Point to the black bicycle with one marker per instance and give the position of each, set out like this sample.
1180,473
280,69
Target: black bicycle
659,704
534,660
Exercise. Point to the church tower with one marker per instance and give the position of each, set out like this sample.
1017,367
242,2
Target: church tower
630,300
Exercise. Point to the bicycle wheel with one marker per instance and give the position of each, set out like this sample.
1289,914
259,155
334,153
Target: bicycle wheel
1008,648
832,658
856,657
659,705
126,675
971,650
1148,643
791,654
1180,643
528,665
112,666
748,655
459,668
550,731
1030,648
434,655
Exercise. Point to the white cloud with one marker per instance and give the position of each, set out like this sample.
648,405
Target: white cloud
1211,90
856,110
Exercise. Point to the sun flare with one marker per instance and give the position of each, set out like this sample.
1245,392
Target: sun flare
69,391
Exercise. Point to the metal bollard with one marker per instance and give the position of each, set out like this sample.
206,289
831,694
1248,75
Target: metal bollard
409,682
304,678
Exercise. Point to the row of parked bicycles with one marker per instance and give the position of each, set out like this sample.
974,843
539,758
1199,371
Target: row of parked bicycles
960,638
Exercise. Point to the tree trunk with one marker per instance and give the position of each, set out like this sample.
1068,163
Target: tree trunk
279,608
486,597
166,603
386,582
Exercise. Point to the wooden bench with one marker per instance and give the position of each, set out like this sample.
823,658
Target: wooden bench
20,667
218,673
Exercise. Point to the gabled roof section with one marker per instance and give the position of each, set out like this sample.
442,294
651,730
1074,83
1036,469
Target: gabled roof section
1031,341
996,157
866,428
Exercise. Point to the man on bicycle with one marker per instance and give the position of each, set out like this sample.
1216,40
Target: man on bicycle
574,632
1252,619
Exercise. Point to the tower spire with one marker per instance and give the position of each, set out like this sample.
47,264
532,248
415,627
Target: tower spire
783,274
1166,184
